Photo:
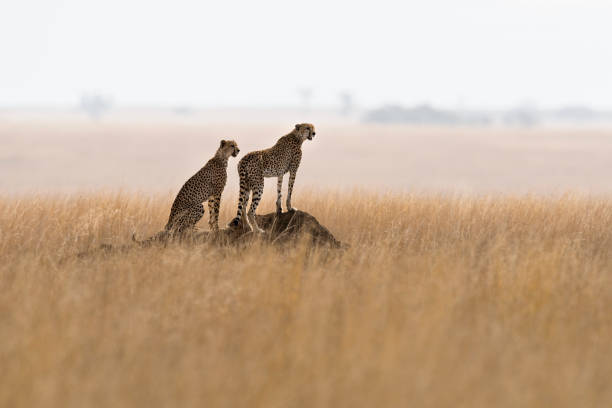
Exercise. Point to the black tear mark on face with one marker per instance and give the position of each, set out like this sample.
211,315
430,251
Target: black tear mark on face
311,133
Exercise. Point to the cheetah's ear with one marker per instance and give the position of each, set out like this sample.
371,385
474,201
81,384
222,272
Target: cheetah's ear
223,142
297,126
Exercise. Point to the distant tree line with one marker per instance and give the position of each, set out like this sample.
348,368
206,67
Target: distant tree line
521,116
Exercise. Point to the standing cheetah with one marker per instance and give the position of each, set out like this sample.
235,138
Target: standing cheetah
206,185
281,158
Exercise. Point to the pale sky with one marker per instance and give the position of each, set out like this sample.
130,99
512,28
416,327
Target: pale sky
477,53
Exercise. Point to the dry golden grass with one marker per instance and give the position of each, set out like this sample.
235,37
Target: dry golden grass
440,301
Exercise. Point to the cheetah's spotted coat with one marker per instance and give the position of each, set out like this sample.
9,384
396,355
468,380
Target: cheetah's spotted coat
206,185
283,157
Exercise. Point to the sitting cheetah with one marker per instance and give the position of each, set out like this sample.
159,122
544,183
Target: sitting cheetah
206,185
281,158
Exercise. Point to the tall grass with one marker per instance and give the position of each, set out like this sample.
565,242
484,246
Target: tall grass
440,301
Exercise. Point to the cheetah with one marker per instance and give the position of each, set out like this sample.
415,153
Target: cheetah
283,157
206,185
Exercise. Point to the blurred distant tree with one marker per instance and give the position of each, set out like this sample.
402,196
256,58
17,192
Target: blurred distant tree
95,105
524,116
420,114
346,103
425,114
183,110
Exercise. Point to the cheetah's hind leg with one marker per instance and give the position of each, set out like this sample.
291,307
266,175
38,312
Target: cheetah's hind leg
257,193
185,220
194,215
242,203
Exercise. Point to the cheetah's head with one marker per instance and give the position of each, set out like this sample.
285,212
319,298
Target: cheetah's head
305,131
229,148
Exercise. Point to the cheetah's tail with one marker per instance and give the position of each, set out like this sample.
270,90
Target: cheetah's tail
144,243
243,196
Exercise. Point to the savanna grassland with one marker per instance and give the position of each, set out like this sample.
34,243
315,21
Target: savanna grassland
440,301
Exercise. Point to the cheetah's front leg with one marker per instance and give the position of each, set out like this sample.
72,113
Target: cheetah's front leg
292,174
213,206
279,187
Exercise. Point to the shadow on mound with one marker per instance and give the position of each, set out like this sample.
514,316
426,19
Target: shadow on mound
283,228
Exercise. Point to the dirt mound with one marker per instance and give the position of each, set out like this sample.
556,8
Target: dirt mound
283,228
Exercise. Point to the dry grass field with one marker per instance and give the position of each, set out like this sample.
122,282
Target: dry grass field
441,301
